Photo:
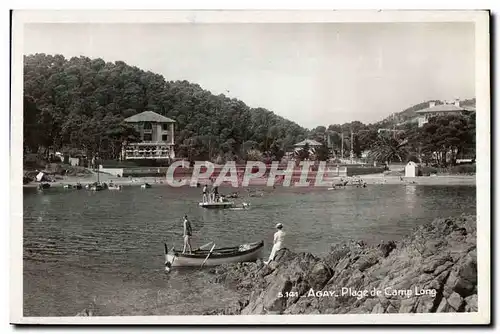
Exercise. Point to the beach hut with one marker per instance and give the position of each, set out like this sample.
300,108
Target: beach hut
411,169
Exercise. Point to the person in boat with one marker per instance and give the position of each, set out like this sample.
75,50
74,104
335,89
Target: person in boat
215,193
277,242
188,232
205,193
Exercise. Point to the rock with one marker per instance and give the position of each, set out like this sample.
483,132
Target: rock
434,263
366,262
407,305
444,307
455,301
378,309
391,309
387,248
437,257
319,275
275,297
471,304
467,277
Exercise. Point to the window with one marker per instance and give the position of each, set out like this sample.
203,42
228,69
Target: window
165,126
148,137
148,126
164,138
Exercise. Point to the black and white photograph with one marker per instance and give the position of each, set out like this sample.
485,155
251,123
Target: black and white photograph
250,167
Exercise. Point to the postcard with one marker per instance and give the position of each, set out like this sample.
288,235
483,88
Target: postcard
250,167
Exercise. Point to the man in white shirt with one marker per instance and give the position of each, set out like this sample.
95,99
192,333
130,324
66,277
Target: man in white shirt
279,238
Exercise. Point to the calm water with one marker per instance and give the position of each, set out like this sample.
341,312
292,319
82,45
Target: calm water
108,246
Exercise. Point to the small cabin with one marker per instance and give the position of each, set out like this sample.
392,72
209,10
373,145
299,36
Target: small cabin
411,169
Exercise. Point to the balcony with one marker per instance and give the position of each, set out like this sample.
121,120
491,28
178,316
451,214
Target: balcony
154,150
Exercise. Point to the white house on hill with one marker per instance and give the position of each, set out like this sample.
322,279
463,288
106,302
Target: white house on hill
441,109
156,134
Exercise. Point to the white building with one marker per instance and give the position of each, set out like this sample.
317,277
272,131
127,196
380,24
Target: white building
156,137
411,169
440,110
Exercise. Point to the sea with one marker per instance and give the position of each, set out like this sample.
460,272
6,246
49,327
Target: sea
106,247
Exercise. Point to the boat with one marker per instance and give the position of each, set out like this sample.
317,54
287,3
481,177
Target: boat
216,205
78,186
114,187
96,187
43,186
68,186
213,257
145,186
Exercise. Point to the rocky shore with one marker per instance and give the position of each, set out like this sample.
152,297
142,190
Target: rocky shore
432,270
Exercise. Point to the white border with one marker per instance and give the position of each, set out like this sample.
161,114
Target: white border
480,18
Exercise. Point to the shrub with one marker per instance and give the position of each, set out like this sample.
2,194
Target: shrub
426,171
463,169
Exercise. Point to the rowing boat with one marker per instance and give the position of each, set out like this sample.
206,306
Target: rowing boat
216,205
214,257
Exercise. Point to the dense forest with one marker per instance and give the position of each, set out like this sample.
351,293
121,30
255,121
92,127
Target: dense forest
79,104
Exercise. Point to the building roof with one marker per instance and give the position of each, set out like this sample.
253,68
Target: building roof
443,108
149,116
310,142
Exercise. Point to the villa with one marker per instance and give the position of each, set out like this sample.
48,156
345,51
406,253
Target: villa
441,109
156,134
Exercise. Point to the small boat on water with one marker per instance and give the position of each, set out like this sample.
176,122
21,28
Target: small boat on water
216,205
43,186
213,257
97,187
145,186
114,187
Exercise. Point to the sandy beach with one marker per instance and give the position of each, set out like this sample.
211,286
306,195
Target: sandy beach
371,179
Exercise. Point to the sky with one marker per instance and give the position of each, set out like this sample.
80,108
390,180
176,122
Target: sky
311,73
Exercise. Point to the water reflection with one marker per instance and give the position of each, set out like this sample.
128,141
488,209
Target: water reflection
411,196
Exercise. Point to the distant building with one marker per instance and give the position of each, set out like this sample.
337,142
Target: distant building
313,145
441,109
156,137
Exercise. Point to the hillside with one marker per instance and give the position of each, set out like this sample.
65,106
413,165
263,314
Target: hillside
79,103
411,112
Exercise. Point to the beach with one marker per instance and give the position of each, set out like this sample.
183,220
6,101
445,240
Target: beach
371,179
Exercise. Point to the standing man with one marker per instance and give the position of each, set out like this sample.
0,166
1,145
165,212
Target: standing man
216,193
188,232
279,237
205,190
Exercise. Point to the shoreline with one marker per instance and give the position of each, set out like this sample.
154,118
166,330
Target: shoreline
431,270
369,179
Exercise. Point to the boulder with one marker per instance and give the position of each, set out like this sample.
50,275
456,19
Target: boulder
434,269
